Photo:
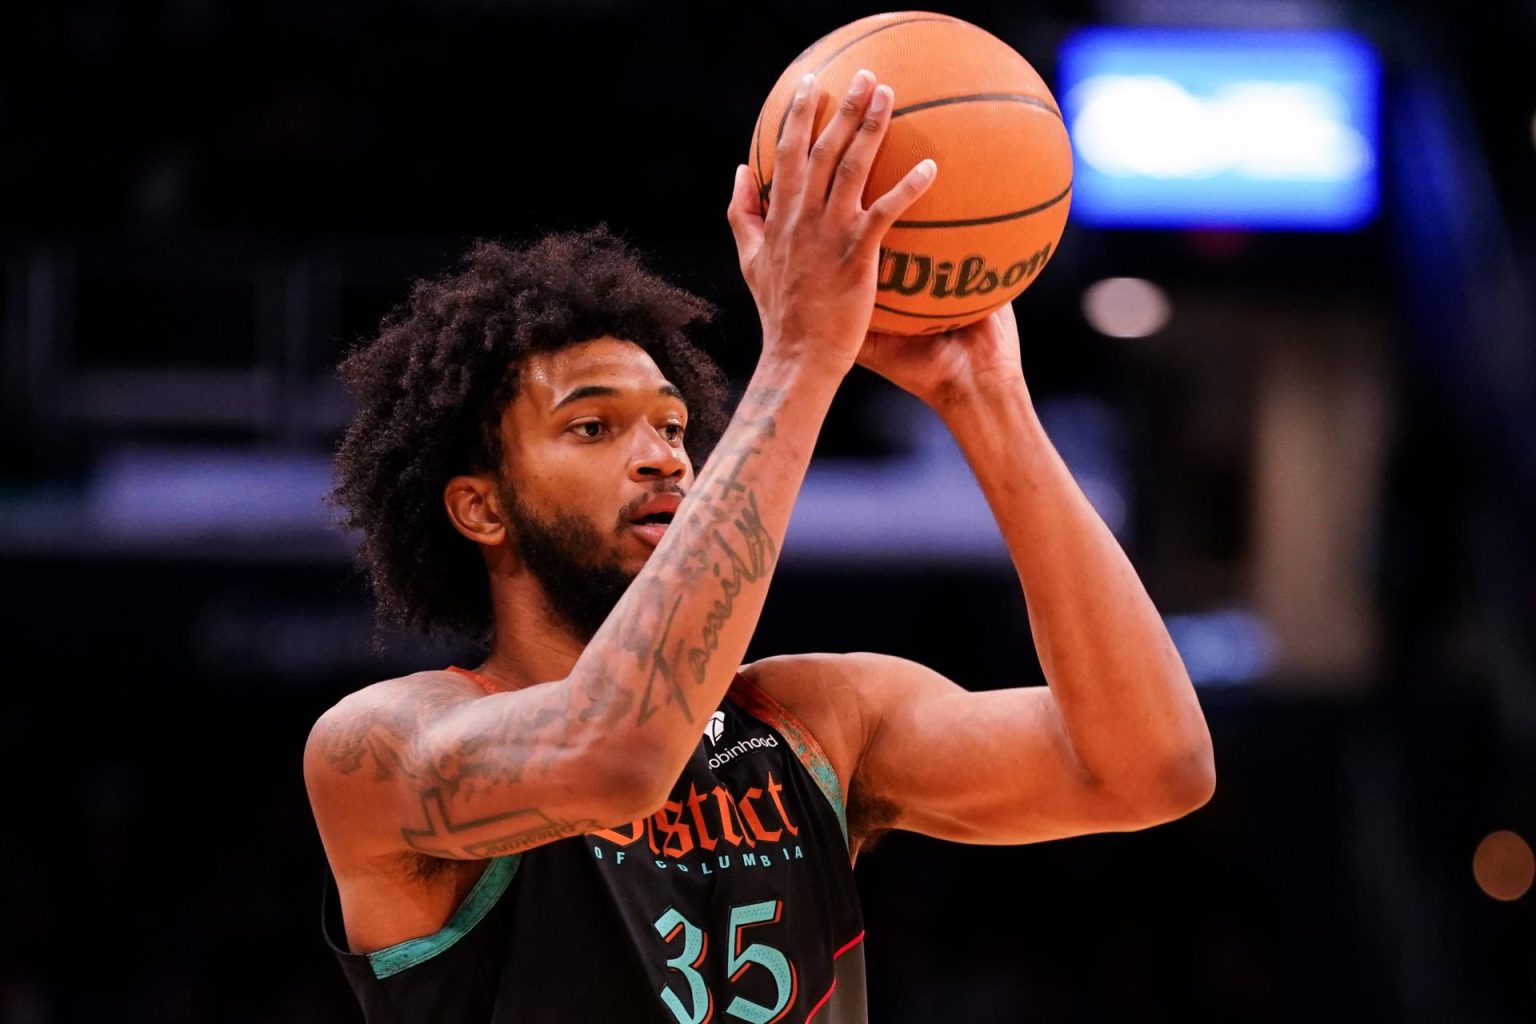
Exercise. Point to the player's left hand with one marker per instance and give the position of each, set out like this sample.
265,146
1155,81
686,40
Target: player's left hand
955,366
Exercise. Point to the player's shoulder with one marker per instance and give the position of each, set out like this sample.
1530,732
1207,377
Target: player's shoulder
802,677
831,695
843,695
397,706
797,681
418,691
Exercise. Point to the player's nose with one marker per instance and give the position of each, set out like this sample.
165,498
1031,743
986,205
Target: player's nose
655,459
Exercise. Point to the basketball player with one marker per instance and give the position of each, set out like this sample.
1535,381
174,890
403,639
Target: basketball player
611,819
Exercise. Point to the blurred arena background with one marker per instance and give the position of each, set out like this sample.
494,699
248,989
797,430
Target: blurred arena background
1316,441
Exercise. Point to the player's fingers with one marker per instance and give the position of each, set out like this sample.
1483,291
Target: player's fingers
882,213
794,140
745,214
832,144
852,171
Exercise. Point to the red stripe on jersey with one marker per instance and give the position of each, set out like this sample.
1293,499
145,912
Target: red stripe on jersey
846,947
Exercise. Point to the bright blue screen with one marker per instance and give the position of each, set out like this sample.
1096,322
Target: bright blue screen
1221,128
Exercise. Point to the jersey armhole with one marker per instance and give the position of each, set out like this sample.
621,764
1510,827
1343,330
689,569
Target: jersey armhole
800,739
392,960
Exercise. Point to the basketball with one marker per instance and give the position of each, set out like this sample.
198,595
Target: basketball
995,213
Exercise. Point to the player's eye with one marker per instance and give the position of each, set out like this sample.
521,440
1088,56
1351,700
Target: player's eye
673,431
591,430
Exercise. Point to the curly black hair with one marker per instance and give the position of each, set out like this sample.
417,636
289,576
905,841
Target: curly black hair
434,383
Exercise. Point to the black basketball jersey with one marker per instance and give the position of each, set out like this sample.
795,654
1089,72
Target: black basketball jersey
734,901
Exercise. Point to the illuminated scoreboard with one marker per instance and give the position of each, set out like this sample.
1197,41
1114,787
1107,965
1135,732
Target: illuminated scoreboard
1203,128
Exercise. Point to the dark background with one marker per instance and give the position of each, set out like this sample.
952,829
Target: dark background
204,203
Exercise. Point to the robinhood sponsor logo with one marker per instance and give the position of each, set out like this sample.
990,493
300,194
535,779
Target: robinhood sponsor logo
724,754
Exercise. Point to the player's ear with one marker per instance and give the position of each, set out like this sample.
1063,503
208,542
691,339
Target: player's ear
474,508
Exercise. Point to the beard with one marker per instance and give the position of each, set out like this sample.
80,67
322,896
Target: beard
564,554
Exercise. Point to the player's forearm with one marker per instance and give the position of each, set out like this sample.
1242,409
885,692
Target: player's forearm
664,658
1121,687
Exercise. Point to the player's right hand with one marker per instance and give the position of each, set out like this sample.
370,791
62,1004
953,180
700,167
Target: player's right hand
812,257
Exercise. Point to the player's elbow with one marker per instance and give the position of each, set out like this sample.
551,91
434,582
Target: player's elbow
1180,784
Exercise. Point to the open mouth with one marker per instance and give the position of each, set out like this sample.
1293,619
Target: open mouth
654,516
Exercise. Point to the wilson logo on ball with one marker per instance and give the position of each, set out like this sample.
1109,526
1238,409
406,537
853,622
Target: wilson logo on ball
911,273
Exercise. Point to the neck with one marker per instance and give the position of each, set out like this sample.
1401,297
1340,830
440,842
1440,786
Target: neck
529,644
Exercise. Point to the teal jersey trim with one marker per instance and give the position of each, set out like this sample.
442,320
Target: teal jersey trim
404,955
773,714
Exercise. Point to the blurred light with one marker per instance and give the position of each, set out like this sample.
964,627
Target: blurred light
924,507
1148,125
1533,129
176,494
1503,866
1126,307
1223,647
1200,127
1089,434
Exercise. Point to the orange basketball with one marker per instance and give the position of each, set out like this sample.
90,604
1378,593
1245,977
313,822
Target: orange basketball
992,218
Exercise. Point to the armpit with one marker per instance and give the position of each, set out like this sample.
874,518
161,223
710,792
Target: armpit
870,817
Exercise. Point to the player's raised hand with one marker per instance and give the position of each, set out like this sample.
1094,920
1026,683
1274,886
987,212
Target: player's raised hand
953,366
811,258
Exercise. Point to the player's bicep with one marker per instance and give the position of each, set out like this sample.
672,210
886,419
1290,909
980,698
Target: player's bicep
989,767
433,767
